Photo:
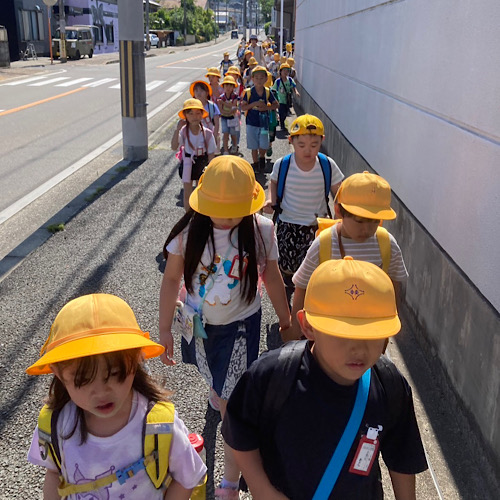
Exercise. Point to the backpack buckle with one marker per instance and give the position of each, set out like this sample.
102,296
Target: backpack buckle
127,472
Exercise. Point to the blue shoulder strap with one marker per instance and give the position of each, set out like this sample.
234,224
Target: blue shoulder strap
333,469
283,172
327,172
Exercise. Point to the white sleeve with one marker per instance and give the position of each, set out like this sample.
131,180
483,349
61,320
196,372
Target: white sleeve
175,246
184,463
266,228
337,175
210,141
276,169
309,264
397,270
34,454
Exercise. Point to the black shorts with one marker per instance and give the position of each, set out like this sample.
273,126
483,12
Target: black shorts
294,241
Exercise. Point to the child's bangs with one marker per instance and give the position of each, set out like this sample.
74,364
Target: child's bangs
201,86
123,363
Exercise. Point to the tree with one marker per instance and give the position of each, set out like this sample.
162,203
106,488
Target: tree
266,7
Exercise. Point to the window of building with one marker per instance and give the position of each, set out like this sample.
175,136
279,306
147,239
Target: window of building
31,25
110,33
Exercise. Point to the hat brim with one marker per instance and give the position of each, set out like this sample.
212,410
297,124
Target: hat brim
355,328
98,344
370,212
183,116
191,87
206,205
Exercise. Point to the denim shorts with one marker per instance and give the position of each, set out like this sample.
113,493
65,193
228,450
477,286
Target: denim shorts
255,139
225,128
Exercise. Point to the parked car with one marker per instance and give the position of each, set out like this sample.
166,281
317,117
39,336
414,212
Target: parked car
153,40
79,42
234,34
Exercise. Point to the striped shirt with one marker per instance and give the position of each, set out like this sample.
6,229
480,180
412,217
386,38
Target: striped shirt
368,251
304,193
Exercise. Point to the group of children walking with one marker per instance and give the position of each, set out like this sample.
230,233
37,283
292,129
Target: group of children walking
308,420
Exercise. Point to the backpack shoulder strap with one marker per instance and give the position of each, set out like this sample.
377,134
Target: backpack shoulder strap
47,435
268,92
326,168
157,434
384,243
282,173
281,381
325,244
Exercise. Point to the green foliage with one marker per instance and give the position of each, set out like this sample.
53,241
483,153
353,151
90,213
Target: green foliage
55,228
266,27
266,7
199,22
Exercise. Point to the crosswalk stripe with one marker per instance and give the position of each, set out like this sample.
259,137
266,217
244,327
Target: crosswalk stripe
117,86
73,82
48,82
178,87
182,67
100,82
155,83
26,80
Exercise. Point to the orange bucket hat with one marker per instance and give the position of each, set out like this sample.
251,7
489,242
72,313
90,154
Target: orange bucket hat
89,325
200,82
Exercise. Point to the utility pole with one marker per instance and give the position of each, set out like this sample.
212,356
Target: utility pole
148,41
133,80
281,28
245,19
185,22
62,29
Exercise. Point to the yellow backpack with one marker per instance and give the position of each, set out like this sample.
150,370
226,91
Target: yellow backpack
325,228
157,432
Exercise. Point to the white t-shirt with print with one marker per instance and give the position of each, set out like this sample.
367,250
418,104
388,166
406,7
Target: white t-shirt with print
219,282
198,143
304,194
101,456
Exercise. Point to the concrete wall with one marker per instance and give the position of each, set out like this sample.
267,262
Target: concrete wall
410,90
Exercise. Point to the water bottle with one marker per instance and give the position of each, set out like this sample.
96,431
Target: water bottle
200,491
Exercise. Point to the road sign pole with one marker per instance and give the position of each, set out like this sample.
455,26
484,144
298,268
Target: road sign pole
133,80
50,4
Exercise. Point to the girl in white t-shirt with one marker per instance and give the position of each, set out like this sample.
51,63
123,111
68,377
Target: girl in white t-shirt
221,248
196,142
93,436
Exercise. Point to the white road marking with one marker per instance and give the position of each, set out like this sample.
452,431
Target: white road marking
117,86
99,82
40,190
27,80
73,82
181,67
155,83
178,87
48,82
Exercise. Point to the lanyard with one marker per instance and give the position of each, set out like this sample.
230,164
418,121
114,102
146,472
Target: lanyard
339,456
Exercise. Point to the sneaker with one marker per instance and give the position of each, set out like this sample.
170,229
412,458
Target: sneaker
226,152
213,400
269,152
226,494
234,150
255,166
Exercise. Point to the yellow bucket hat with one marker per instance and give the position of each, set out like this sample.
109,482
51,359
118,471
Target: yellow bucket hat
276,57
227,189
259,69
351,299
290,61
226,53
201,82
213,72
307,125
192,104
284,66
229,80
366,195
233,70
288,47
252,61
90,325
283,59
248,52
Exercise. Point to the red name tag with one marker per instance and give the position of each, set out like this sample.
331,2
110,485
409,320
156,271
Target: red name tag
234,272
364,457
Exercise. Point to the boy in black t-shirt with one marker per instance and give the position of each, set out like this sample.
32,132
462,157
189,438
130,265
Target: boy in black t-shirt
349,314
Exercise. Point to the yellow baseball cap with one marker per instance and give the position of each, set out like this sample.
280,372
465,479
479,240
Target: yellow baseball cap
192,104
213,72
351,299
229,80
200,82
93,324
307,125
284,66
366,195
227,189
